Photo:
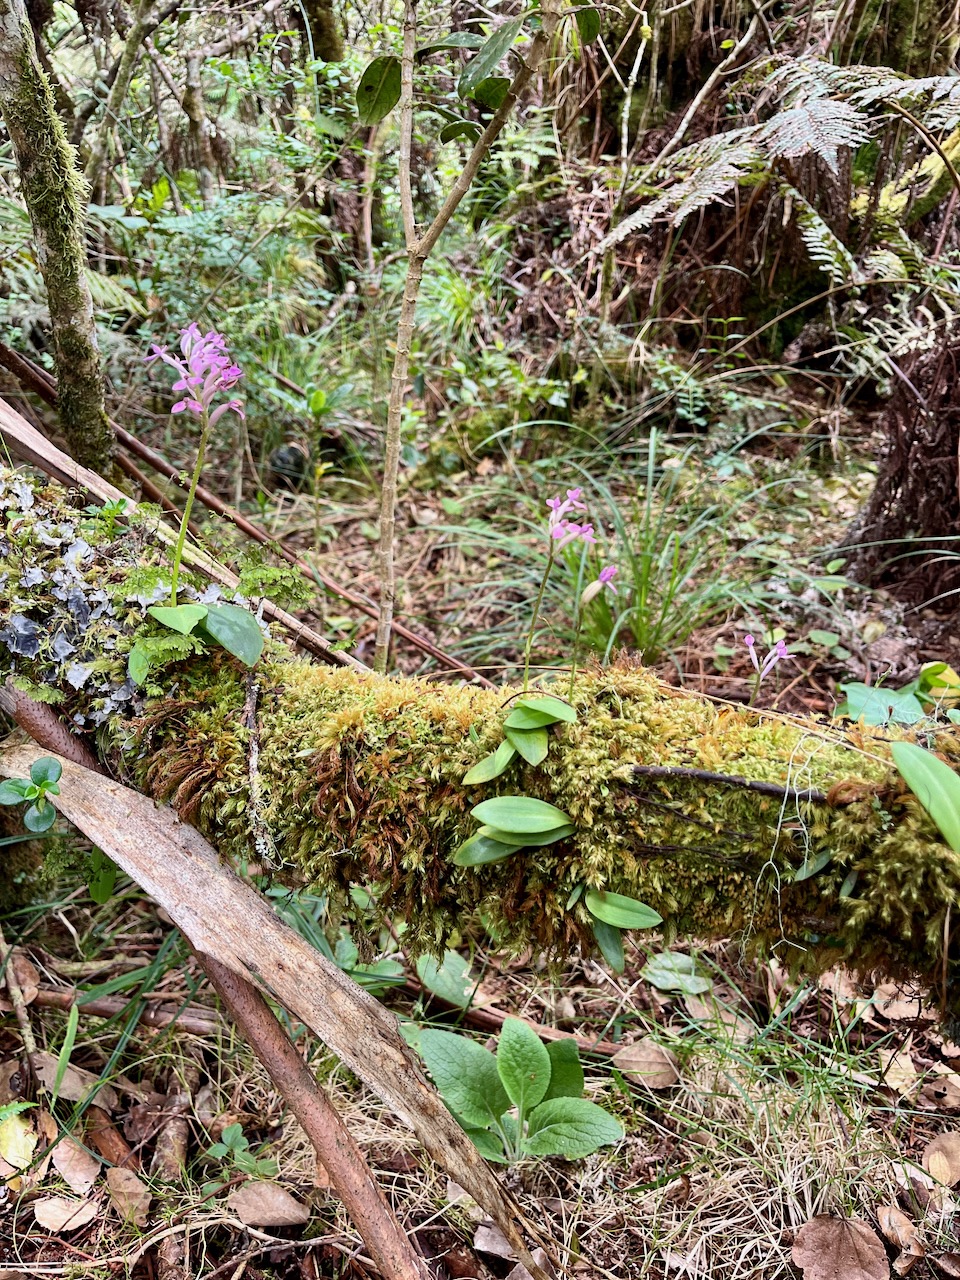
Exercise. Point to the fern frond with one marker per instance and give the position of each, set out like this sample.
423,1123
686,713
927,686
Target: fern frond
825,248
819,127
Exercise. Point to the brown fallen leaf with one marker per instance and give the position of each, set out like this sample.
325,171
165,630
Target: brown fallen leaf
59,1213
26,974
520,1272
897,1070
941,1158
267,1204
104,1136
130,1197
76,1084
490,1239
708,1008
903,1002
896,1226
948,1264
649,1063
11,1080
830,1248
75,1165
943,1092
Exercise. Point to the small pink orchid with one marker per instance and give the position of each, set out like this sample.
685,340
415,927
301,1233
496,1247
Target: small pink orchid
560,506
776,654
593,589
567,531
206,371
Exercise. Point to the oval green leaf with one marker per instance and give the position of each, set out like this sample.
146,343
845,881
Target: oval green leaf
491,92
485,63
610,941
536,841
460,129
456,40
379,89
532,744
46,770
588,24
521,815
138,665
235,630
37,820
934,784
621,912
480,850
180,617
491,766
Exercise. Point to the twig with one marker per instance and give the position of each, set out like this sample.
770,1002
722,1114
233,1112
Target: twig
731,780
187,1019
19,1007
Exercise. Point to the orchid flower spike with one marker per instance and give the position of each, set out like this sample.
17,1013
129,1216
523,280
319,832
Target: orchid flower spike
206,371
776,654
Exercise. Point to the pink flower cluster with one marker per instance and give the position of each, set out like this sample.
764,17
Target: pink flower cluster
562,530
593,589
206,371
764,668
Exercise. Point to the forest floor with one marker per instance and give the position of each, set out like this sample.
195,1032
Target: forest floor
751,1104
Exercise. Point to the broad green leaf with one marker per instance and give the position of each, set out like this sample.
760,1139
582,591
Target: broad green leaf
566,1073
491,91
523,1064
180,617
674,971
466,1076
38,820
935,785
237,630
588,24
101,877
622,912
46,770
486,61
451,980
379,89
556,708
138,665
12,791
480,850
491,766
460,129
533,713
455,40
570,1127
610,941
879,706
815,865
520,814
487,1143
532,744
528,842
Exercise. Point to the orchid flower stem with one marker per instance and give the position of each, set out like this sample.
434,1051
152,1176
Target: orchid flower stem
535,619
188,507
576,654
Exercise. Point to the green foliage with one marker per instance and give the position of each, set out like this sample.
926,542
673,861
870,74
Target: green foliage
233,1150
935,785
227,625
379,90
935,689
40,815
527,1101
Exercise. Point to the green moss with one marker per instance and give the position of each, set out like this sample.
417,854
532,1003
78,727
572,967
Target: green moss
360,782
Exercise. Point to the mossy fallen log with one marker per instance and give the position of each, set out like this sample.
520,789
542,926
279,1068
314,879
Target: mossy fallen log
792,836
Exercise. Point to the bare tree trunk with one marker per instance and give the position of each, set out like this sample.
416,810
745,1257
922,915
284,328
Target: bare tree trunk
55,196
132,50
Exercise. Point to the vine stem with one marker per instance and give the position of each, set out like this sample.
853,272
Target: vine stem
188,507
419,249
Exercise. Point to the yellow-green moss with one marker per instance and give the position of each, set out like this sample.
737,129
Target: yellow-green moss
360,779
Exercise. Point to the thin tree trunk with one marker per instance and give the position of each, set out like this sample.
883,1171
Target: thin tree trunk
55,196
129,59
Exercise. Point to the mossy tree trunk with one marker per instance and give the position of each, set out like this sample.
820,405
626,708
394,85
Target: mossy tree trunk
789,835
55,196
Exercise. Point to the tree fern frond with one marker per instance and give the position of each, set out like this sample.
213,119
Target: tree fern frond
823,245
818,127
701,187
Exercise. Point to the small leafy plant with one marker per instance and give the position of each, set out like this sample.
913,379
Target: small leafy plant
43,781
234,1149
205,371
525,1101
936,688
